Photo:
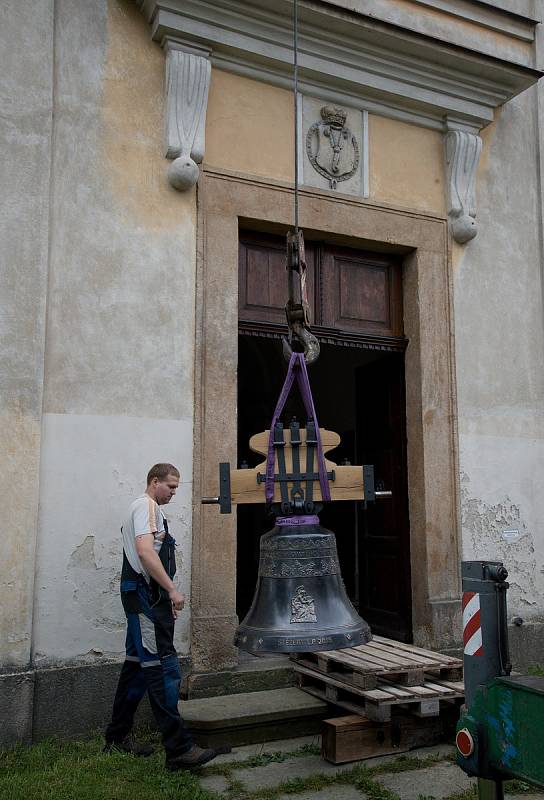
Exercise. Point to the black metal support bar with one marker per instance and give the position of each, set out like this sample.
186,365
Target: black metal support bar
288,477
368,483
225,496
311,446
224,499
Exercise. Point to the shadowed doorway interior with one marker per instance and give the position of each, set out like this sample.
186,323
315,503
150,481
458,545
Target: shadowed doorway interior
358,388
359,394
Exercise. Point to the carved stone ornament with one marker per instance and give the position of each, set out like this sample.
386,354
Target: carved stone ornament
187,84
463,151
332,148
302,606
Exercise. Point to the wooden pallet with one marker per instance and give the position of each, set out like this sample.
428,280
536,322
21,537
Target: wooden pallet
383,659
377,703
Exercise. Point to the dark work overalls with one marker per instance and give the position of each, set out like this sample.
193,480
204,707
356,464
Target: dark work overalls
151,662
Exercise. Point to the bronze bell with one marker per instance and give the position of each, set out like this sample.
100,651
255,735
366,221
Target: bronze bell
300,602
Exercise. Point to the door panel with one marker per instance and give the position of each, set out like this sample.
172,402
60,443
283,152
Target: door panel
384,525
263,279
361,292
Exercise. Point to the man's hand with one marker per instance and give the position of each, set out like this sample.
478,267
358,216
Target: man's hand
178,601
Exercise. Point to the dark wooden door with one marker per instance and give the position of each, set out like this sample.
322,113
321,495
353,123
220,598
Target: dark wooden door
383,527
358,383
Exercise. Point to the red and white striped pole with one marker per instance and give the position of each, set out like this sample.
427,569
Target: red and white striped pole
472,625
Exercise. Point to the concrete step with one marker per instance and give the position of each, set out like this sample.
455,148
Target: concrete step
253,717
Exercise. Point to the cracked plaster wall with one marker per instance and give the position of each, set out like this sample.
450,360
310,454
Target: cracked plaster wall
500,359
118,392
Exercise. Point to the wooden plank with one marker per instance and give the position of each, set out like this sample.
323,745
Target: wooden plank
371,710
385,657
381,695
422,691
378,660
352,721
341,657
370,694
399,692
457,686
347,484
439,688
363,680
414,658
444,659
259,441
330,664
390,657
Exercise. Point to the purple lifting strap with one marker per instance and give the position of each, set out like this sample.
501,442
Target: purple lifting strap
297,369
294,522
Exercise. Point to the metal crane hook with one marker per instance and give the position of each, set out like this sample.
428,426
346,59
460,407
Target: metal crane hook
308,344
297,308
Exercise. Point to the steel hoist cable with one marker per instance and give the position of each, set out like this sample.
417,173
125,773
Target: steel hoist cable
297,309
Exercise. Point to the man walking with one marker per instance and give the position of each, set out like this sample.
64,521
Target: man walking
151,603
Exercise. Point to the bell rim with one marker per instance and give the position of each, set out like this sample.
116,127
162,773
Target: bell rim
303,644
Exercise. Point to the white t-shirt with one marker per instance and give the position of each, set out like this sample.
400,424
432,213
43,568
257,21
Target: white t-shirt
144,516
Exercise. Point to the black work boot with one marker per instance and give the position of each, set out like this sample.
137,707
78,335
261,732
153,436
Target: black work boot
195,757
128,745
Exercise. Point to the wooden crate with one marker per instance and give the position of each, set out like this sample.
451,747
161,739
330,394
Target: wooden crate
355,737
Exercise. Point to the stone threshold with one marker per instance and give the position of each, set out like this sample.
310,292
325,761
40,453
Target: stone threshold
254,717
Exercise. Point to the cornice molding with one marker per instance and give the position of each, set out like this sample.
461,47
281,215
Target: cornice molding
345,58
447,20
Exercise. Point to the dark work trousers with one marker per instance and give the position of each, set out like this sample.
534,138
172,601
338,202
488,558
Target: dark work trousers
151,664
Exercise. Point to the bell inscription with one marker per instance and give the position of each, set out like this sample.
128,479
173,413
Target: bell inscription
302,606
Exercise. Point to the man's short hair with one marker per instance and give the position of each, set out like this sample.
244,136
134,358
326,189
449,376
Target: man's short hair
161,471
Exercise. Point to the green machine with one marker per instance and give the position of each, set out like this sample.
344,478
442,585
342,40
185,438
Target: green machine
500,734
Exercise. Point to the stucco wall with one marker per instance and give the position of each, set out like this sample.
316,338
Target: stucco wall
26,84
120,325
500,359
249,129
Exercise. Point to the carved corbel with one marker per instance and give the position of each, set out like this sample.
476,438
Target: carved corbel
463,151
187,84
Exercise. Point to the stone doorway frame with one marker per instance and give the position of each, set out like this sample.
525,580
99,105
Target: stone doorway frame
228,201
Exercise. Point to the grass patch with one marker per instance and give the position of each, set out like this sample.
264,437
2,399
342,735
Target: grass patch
407,763
261,759
469,794
536,670
515,786
63,770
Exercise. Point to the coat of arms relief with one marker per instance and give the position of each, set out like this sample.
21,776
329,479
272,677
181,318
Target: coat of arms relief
332,148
